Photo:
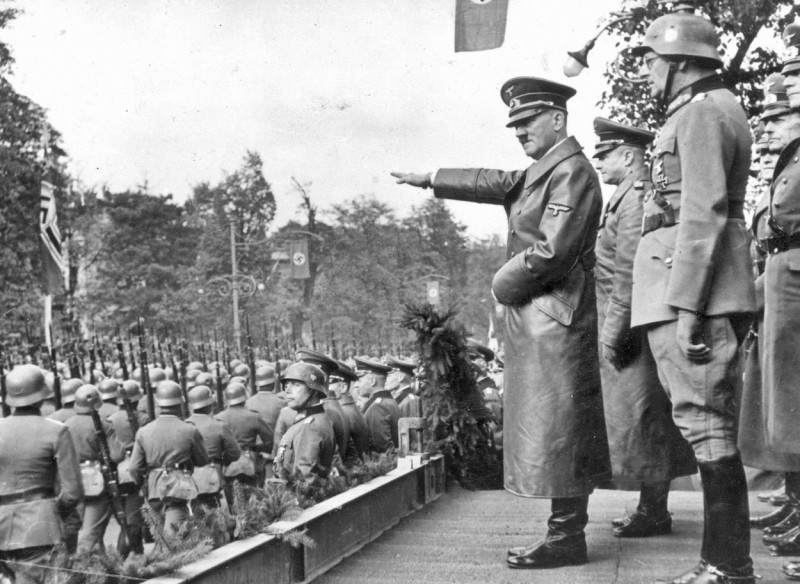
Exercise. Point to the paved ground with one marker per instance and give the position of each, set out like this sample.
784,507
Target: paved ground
463,538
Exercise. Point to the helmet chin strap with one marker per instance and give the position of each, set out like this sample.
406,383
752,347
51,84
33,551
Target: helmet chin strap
664,100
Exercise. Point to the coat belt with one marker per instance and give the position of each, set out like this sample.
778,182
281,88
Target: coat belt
29,495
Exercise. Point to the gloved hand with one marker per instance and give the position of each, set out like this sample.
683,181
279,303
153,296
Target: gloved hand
691,336
422,181
615,356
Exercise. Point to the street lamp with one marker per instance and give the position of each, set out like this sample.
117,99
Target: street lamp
577,61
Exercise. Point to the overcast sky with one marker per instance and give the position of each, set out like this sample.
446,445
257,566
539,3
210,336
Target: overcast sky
336,93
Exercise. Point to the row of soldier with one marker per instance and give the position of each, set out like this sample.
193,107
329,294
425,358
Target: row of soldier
104,452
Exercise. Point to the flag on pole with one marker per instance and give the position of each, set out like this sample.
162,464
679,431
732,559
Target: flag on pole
298,256
53,269
480,24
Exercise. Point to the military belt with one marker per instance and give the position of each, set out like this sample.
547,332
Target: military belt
168,467
775,245
29,495
671,216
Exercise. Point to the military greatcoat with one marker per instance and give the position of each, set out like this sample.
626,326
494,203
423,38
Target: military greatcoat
307,447
645,443
555,442
781,375
382,414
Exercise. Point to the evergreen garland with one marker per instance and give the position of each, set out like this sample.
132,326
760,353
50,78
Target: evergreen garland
453,405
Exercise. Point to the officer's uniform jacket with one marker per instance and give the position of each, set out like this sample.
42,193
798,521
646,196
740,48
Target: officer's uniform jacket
166,446
40,479
220,443
700,166
87,445
285,420
381,413
246,427
307,447
359,432
62,415
554,432
340,423
644,442
267,405
408,402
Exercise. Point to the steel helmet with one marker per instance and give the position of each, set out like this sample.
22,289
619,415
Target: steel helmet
108,389
157,375
265,376
87,398
131,389
235,394
168,393
241,370
681,35
195,365
237,380
97,374
306,373
25,386
68,389
204,378
234,363
200,397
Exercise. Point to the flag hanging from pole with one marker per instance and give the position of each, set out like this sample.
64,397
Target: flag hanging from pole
53,269
480,24
298,256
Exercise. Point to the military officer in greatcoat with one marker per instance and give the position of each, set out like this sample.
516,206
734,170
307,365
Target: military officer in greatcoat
401,383
692,278
780,126
339,382
40,480
555,442
220,444
165,453
308,447
97,506
645,444
781,352
381,411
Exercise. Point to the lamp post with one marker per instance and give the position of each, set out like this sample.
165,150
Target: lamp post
577,61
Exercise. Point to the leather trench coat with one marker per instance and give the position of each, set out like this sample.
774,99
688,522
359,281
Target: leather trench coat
555,441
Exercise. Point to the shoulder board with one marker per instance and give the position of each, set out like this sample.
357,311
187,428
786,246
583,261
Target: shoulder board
309,420
639,185
699,97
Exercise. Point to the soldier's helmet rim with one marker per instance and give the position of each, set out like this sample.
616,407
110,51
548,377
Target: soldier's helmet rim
307,373
25,386
681,35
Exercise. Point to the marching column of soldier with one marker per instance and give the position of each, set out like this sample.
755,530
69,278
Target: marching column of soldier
629,330
630,326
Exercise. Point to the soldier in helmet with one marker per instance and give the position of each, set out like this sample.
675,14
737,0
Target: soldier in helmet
400,382
553,410
266,403
380,411
40,480
165,453
220,444
132,499
645,444
248,428
68,389
339,382
692,279
97,505
308,446
109,392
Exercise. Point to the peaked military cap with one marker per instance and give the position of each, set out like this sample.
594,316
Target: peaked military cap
404,366
529,96
791,56
776,100
611,134
476,349
344,371
371,366
321,360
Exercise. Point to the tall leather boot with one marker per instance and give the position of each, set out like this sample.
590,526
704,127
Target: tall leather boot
787,544
725,549
652,516
565,542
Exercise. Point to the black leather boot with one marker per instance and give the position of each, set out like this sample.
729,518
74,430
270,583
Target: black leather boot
565,542
788,542
725,550
652,516
777,517
792,520
792,570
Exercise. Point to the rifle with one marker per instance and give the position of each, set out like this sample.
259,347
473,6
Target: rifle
227,352
92,363
101,354
131,352
220,398
183,356
3,392
334,350
251,360
181,379
267,348
56,376
121,351
276,341
148,389
132,419
106,467
203,348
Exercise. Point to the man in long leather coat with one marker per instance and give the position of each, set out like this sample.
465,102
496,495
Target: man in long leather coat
692,278
555,442
645,444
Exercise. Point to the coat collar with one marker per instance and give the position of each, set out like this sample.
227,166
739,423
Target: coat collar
694,92
624,187
549,161
378,394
